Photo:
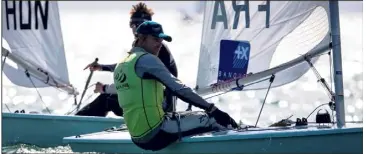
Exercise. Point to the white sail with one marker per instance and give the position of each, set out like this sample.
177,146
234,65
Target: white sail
267,27
33,32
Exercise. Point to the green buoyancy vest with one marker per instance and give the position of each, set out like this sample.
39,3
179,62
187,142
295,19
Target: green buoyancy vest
140,99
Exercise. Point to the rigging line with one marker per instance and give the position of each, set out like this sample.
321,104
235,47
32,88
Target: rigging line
39,79
27,73
315,109
55,85
68,113
306,56
242,86
264,101
2,65
7,107
189,108
2,69
321,79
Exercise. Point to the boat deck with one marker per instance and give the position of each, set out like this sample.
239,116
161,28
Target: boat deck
253,140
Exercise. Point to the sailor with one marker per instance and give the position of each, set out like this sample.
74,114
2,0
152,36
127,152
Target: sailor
107,100
140,80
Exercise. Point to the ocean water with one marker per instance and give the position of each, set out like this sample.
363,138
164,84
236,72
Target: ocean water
104,33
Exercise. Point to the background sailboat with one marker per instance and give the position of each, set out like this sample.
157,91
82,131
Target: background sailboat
33,41
264,38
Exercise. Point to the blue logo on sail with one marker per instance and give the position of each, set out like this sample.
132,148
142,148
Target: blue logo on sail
241,55
234,58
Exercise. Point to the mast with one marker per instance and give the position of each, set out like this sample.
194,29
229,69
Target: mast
337,62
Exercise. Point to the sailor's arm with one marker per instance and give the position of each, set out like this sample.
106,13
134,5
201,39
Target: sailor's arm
110,67
169,59
149,66
109,89
99,67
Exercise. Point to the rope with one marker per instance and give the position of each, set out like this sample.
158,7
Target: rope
7,107
238,87
241,87
68,113
26,72
264,101
2,66
315,109
178,123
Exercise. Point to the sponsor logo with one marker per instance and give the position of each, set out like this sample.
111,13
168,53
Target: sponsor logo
241,56
234,59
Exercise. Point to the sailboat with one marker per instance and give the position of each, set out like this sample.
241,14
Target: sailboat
237,46
32,39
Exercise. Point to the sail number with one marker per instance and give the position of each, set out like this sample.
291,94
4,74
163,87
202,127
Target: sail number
35,8
219,13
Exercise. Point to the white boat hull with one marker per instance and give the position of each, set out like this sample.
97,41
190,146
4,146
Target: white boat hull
290,140
48,130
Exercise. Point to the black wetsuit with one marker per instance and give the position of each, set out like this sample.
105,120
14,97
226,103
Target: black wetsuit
108,100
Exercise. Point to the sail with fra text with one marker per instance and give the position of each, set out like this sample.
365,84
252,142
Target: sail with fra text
260,30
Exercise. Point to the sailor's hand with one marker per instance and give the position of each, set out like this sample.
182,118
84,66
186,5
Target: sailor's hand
93,67
98,87
222,118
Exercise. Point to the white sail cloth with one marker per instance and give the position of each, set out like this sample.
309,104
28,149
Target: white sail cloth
32,31
291,27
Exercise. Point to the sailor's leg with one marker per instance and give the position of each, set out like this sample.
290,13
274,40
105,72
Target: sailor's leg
189,123
113,105
98,107
177,126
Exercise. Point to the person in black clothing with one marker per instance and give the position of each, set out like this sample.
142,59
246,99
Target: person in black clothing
107,100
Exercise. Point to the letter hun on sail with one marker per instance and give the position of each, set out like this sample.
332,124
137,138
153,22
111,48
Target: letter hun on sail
32,31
